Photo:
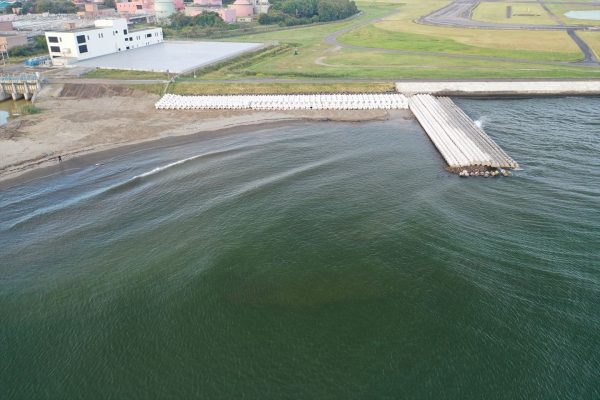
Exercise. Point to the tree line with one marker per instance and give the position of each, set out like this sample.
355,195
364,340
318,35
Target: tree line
40,6
298,12
202,25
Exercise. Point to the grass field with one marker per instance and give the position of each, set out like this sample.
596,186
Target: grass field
186,87
398,32
393,47
535,45
559,49
593,40
522,13
125,74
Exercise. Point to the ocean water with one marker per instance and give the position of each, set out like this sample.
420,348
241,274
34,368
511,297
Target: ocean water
311,261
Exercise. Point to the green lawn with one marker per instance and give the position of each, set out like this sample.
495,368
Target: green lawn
302,53
125,74
522,13
187,87
371,36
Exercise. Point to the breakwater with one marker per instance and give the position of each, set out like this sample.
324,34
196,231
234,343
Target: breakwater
378,101
467,149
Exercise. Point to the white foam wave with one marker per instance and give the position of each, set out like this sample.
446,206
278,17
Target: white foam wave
481,122
167,166
85,196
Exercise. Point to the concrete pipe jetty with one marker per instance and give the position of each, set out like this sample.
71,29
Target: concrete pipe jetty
465,147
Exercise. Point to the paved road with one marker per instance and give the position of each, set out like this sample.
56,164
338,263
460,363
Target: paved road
589,56
459,14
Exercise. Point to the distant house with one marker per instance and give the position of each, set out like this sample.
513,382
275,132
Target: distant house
106,37
239,11
93,11
128,7
7,42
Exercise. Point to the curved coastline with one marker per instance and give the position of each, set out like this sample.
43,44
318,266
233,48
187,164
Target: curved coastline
81,126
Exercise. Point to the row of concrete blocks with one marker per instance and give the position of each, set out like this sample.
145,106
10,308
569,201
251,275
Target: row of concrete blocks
285,102
458,139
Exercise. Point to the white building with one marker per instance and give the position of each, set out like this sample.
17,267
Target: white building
106,37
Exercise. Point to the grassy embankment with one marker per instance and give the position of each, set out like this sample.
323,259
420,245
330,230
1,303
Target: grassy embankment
393,47
280,88
125,74
186,87
430,52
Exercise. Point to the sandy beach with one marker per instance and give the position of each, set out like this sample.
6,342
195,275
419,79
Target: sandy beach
81,119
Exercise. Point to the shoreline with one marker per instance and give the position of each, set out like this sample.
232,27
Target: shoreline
80,120
80,129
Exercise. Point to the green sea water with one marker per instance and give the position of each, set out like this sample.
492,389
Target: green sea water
310,261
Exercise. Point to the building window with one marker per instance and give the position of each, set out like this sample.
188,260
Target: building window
127,39
83,48
139,7
55,49
81,39
127,48
149,35
52,39
88,37
124,31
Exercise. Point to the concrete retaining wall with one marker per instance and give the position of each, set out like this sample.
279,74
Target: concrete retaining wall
500,88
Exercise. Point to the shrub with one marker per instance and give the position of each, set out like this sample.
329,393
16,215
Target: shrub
30,109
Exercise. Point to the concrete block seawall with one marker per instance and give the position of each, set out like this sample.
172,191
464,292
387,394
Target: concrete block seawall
391,101
500,88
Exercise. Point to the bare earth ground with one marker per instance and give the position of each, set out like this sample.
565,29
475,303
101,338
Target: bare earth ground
81,119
